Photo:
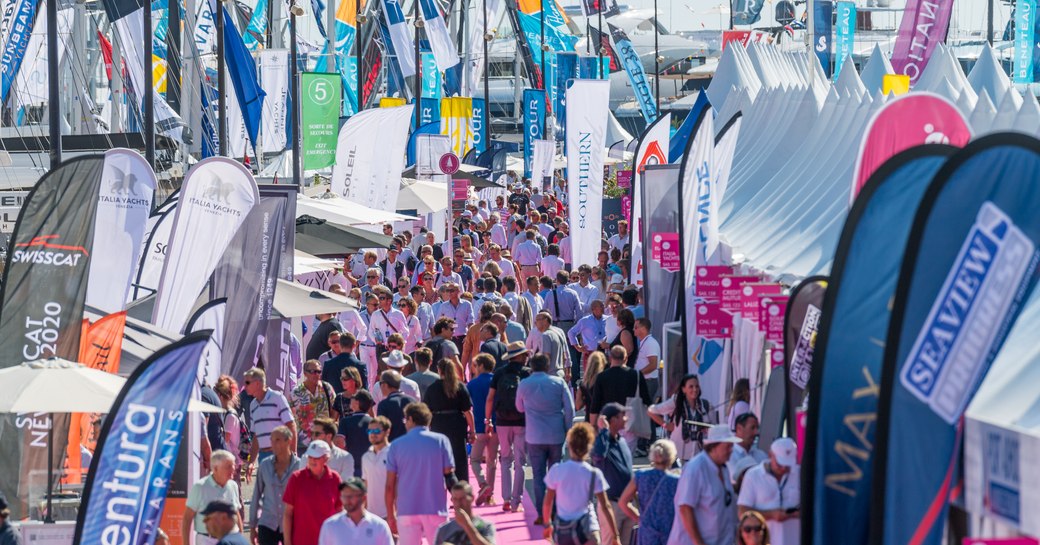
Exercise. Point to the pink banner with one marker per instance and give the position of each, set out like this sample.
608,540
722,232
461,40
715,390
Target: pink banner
460,189
713,321
999,541
624,179
664,249
749,299
626,210
800,418
709,281
924,25
732,287
908,121
771,311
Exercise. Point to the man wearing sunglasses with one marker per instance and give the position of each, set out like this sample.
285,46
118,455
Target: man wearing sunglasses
705,506
373,464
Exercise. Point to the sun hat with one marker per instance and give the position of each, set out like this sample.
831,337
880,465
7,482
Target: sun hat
396,359
515,349
720,433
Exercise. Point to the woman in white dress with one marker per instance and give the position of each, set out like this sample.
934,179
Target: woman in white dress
684,416
413,334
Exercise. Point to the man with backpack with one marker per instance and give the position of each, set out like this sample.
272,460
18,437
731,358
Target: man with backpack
509,423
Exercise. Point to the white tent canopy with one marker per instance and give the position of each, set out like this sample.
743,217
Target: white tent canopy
423,196
339,210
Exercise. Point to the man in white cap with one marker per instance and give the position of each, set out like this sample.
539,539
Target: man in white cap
705,505
396,361
772,488
311,496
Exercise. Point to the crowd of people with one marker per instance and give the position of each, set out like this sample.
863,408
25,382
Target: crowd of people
467,360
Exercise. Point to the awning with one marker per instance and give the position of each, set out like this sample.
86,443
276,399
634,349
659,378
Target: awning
470,173
327,238
344,212
305,263
292,300
423,196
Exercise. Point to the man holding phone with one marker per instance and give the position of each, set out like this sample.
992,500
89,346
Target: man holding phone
772,488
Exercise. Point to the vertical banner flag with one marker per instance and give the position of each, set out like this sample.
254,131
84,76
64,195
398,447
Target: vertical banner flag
431,76
216,196
246,277
534,122
652,150
257,26
17,32
924,25
844,34
319,112
124,204
823,24
848,353
542,163
41,307
636,75
444,52
153,254
131,469
661,289
478,125
210,316
695,196
586,132
474,58
430,112
908,121
242,71
370,155
566,69
747,12
274,76
971,261
1025,40
400,36
801,324
456,123
677,144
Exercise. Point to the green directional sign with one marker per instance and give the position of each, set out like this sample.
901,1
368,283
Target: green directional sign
319,114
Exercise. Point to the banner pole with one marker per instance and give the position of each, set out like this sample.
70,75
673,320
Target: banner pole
53,97
810,35
487,93
221,84
358,21
294,70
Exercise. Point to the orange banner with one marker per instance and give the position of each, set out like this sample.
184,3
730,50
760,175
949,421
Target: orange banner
100,345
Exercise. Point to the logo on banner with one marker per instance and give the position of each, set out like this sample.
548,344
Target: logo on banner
707,353
121,188
956,341
664,249
801,359
52,253
654,156
1001,464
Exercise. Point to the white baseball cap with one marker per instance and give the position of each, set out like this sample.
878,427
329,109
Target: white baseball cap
785,451
318,449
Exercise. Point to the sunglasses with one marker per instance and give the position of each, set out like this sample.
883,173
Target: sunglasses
247,382
384,298
752,529
372,277
374,432
312,371
316,433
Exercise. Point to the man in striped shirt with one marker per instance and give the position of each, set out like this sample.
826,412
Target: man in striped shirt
268,410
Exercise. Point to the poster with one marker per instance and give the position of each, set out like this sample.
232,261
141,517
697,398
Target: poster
319,114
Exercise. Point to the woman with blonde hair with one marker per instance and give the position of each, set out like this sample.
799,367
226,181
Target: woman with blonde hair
739,402
752,529
452,408
571,487
655,489
227,390
594,365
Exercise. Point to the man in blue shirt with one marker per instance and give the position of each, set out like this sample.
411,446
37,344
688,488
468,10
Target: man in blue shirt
421,460
611,455
548,408
562,303
485,446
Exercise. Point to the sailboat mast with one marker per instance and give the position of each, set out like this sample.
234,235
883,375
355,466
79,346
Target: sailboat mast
148,106
359,20
53,97
221,85
487,62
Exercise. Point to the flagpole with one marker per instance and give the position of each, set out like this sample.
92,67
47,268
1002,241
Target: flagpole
53,97
418,67
487,61
599,48
221,89
173,49
294,71
657,64
148,107
541,23
359,20
989,21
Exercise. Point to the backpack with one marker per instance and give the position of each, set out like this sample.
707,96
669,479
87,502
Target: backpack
505,396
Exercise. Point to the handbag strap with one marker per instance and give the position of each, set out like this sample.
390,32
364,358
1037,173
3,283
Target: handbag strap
592,486
650,500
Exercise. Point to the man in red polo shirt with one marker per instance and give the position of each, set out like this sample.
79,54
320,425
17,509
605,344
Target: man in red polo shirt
311,496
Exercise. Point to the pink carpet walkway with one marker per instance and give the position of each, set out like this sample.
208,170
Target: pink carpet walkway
511,528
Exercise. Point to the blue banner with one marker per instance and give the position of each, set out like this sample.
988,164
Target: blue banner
479,126
257,26
838,458
429,128
566,70
395,83
556,39
242,69
636,75
431,76
1025,40
132,465
823,25
350,91
747,12
971,261
844,34
589,67
21,25
534,124
429,111
677,145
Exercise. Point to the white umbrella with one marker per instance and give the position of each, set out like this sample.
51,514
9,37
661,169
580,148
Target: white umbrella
55,385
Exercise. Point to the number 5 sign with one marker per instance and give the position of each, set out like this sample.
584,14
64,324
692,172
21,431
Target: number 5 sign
319,116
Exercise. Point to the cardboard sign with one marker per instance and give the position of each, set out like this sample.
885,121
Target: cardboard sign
713,321
732,286
709,281
664,249
749,299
